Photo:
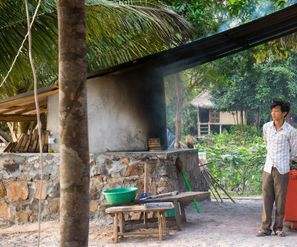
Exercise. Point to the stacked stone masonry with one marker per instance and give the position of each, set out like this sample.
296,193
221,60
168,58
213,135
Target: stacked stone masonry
21,186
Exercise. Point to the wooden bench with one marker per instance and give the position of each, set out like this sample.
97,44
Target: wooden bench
180,201
119,220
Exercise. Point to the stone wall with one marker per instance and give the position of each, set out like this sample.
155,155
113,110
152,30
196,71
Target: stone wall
20,183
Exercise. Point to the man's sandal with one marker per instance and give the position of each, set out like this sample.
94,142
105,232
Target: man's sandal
262,233
280,233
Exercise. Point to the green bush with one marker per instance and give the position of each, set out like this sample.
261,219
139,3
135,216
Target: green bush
236,159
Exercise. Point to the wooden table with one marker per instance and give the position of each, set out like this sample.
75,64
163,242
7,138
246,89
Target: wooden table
180,201
119,219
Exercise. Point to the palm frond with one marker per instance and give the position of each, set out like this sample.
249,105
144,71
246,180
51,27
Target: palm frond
117,32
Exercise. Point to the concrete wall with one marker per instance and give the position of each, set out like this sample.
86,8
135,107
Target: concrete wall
53,121
124,110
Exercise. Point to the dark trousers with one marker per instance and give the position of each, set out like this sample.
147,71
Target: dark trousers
274,189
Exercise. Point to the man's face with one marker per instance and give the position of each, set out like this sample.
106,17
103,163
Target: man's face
277,114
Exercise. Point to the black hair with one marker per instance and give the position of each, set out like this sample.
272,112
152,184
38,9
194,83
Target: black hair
285,106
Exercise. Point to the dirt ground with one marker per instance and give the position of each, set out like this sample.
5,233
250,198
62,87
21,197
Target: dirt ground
218,225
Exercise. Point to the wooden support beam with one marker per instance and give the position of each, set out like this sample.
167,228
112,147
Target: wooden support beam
30,107
33,112
28,98
19,110
17,118
10,109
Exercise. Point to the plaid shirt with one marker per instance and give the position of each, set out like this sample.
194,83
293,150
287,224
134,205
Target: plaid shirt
281,147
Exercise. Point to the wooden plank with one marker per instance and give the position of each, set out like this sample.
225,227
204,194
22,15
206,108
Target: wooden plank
28,97
185,197
12,150
10,109
31,146
17,118
148,207
33,112
45,143
24,144
134,208
26,108
28,143
8,147
35,144
19,142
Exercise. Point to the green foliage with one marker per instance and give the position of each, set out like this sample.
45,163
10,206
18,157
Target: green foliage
189,118
116,33
236,159
251,87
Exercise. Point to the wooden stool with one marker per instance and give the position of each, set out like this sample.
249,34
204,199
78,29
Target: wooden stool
119,224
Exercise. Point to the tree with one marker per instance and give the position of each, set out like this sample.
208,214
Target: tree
210,17
253,86
116,33
74,148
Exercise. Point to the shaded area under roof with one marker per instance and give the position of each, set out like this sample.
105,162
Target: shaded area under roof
264,29
21,107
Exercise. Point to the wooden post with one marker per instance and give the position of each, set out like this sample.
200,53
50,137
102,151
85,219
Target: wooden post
145,178
160,226
115,228
163,224
121,224
198,122
183,213
177,215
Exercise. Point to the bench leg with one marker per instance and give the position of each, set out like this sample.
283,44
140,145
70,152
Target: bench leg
183,213
178,217
164,225
160,224
121,224
115,228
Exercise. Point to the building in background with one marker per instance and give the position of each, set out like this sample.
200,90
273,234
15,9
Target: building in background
209,120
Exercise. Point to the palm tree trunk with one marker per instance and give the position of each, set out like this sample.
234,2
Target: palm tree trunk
74,167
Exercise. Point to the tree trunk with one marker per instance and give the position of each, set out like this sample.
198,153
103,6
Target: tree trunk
241,117
258,118
178,111
74,166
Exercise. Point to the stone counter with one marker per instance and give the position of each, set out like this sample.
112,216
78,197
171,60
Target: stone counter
20,183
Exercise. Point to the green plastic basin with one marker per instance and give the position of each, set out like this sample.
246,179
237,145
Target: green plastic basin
120,195
170,213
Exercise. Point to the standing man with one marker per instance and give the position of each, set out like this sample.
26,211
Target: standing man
281,144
